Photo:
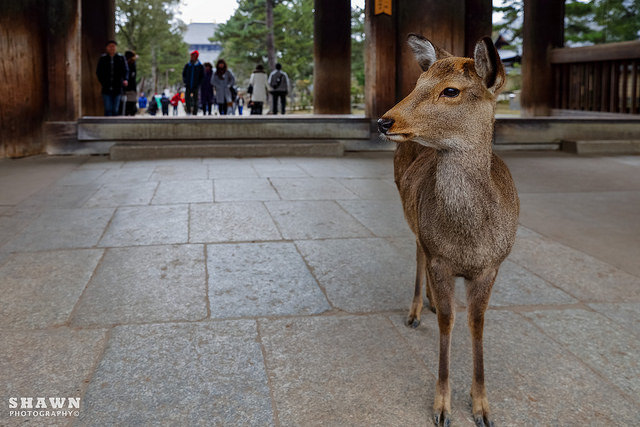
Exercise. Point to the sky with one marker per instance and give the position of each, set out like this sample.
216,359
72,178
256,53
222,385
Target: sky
217,11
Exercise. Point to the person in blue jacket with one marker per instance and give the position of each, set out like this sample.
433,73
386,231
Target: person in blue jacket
192,76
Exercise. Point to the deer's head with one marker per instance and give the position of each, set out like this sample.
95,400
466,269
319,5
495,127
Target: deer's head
452,106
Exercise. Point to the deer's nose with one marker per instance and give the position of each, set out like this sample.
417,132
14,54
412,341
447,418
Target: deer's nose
385,124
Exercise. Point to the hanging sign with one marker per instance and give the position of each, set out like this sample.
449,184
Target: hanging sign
382,6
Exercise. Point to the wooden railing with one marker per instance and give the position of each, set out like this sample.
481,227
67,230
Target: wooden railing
601,78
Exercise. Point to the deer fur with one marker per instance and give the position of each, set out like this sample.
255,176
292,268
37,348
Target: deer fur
458,196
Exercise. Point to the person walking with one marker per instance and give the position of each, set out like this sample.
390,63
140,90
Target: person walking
142,103
175,100
258,89
192,76
113,75
206,89
131,91
222,81
279,82
164,103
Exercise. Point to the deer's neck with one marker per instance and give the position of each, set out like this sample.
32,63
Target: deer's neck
463,185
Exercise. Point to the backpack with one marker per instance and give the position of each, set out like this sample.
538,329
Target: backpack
276,79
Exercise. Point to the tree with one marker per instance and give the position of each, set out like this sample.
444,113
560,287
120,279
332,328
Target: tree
244,39
148,27
586,21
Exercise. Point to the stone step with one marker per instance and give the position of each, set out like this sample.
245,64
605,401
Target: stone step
602,147
145,151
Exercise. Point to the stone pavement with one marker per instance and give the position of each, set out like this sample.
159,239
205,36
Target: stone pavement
272,292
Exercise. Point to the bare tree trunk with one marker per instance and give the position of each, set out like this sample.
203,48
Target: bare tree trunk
271,48
154,69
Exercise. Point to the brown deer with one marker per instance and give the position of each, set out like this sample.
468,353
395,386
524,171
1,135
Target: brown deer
458,196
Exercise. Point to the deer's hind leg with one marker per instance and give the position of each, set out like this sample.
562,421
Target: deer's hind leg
422,274
478,293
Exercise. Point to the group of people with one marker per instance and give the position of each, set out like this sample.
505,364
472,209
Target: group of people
218,87
205,87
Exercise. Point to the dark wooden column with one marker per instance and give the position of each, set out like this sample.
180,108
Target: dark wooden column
380,60
543,30
98,26
332,57
478,23
442,22
63,60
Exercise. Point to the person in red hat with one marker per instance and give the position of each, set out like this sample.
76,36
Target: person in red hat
192,76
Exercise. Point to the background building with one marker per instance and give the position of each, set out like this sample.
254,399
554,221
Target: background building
197,37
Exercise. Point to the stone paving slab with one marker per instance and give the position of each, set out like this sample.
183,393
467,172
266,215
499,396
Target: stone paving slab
371,188
148,225
146,284
61,229
610,350
531,379
123,175
230,168
45,287
361,275
125,194
625,314
192,191
517,286
261,279
311,189
243,189
383,217
580,275
344,371
178,172
203,374
58,197
131,307
314,220
231,222
576,220
56,362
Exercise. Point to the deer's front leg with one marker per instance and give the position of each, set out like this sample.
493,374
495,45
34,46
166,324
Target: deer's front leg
478,293
443,298
413,320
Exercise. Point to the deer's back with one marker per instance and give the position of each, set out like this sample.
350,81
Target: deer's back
470,223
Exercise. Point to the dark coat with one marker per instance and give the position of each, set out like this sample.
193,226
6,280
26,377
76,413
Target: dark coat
111,78
192,75
206,90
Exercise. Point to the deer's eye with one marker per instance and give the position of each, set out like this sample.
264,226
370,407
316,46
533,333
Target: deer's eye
450,92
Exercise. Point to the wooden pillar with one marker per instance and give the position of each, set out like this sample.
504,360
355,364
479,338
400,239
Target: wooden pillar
543,30
380,60
332,57
63,60
22,77
442,22
478,23
98,26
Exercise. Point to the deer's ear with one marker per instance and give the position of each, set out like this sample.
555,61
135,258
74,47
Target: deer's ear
488,65
426,53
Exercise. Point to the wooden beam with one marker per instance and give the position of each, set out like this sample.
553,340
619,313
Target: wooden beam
380,60
98,26
543,30
442,22
63,60
478,23
332,57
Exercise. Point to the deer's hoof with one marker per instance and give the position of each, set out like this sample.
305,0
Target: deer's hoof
444,416
413,322
480,422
